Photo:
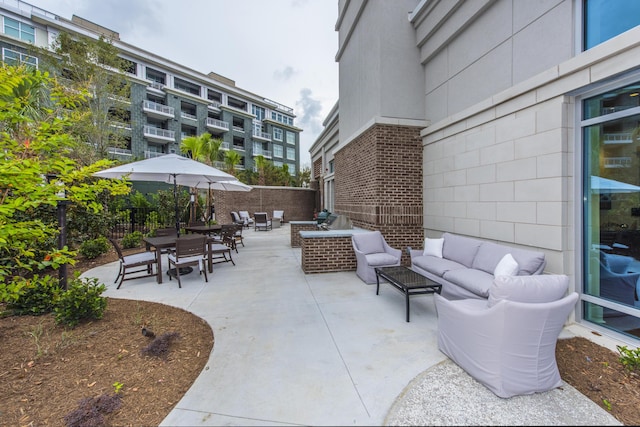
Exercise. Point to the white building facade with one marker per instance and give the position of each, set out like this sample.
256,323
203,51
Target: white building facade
523,108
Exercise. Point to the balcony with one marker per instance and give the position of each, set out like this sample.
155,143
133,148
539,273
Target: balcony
218,126
120,125
156,87
618,138
258,151
238,129
153,109
617,162
224,146
161,136
189,116
261,135
150,154
214,105
119,153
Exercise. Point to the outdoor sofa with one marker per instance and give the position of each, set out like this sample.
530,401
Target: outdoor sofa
466,267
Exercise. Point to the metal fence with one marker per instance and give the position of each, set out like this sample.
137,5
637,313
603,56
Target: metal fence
143,220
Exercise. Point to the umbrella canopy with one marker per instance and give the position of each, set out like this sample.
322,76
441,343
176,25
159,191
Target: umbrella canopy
170,168
605,185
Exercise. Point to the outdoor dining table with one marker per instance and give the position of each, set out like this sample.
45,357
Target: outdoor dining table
165,242
203,229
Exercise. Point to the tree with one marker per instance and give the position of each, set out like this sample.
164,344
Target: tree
92,67
231,160
303,179
36,173
261,165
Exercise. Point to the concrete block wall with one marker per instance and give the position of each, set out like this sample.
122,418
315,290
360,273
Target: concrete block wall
297,203
505,177
378,184
330,254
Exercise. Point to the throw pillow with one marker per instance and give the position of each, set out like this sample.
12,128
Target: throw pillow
507,266
539,288
433,247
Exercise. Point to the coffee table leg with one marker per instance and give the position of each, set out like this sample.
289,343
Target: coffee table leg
406,293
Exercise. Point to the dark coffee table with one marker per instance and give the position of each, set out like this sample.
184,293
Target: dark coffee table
406,281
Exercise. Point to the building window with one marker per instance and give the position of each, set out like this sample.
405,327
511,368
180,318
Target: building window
19,30
277,134
610,129
278,151
259,112
277,163
279,117
291,138
605,19
291,153
13,57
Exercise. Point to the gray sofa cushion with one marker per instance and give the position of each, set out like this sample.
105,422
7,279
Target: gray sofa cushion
461,249
435,265
489,255
476,281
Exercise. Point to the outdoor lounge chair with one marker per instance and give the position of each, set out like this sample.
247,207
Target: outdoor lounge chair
189,251
142,259
244,216
508,343
373,251
261,221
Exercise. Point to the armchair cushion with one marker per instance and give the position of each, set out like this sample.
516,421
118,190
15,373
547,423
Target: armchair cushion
540,288
433,247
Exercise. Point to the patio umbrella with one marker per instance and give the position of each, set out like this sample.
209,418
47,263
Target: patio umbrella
605,185
170,168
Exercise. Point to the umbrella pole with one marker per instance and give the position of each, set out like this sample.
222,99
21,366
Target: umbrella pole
175,196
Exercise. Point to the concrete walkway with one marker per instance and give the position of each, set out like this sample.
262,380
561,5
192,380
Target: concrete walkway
322,349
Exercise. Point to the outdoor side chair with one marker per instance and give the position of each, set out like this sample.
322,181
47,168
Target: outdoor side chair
142,259
190,251
261,221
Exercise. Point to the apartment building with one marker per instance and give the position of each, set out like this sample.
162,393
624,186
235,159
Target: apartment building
168,101
511,121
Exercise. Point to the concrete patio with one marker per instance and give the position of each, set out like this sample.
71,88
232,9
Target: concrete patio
322,349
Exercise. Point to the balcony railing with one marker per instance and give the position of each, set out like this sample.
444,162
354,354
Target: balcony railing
149,154
261,135
224,145
618,138
617,162
189,116
258,151
238,128
217,124
159,135
120,125
119,151
156,85
214,104
158,110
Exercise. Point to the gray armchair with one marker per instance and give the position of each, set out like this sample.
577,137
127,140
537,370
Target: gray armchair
508,343
373,251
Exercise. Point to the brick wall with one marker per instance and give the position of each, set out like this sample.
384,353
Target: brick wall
327,254
295,229
297,203
378,184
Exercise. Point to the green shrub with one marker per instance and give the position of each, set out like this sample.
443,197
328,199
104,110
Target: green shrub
132,240
630,358
36,296
81,301
94,248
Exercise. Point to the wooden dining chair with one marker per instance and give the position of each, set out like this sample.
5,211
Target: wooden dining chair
133,261
189,251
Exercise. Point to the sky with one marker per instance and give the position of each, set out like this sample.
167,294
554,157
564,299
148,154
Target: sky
283,50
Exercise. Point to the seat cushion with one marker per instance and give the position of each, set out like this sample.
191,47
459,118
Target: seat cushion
435,265
475,281
539,288
381,259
